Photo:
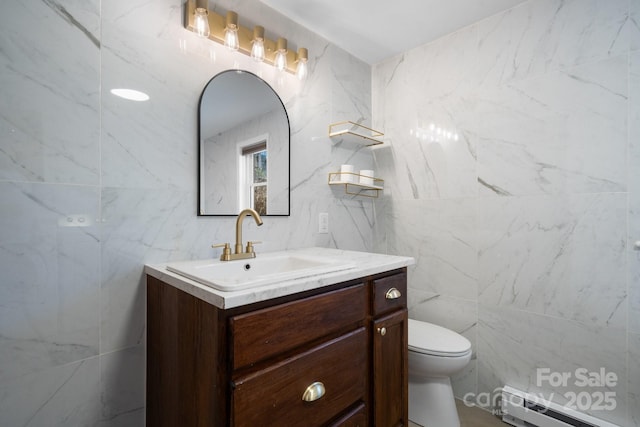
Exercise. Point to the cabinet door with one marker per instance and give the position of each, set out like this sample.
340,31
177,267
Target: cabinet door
390,352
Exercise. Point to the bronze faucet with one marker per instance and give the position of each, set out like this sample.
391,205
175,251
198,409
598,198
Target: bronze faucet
238,252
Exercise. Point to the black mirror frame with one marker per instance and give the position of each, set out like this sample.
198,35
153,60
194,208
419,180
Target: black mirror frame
199,207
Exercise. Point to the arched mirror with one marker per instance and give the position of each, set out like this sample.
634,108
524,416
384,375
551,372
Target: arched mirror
244,147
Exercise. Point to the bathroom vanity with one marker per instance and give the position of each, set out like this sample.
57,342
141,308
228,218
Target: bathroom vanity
323,350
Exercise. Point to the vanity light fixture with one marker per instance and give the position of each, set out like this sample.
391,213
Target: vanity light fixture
201,19
226,30
257,47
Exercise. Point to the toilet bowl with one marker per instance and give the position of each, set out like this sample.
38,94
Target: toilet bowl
435,353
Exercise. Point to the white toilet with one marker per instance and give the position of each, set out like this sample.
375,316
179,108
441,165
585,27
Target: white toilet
435,353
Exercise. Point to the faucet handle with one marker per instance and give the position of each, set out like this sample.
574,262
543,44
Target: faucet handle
250,246
226,251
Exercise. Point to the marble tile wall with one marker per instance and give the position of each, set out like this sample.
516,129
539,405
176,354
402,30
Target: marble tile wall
513,179
92,187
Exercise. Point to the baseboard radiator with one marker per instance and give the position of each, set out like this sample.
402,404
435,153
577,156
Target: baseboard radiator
522,409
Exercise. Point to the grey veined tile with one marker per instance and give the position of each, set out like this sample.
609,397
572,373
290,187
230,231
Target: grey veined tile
49,122
545,135
49,258
61,396
559,256
545,35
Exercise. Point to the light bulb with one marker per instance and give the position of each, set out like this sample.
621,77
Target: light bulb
231,31
281,55
301,70
257,50
231,39
281,61
201,23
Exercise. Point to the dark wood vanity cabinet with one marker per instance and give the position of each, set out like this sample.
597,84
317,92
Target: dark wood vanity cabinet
251,365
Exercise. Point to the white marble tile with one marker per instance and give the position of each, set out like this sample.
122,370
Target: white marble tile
309,116
546,35
122,385
634,380
381,208
441,236
545,135
55,397
49,122
141,141
351,224
49,258
351,88
559,256
423,103
515,344
141,226
634,24
634,191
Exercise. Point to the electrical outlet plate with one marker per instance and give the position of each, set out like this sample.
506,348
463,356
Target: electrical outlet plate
323,223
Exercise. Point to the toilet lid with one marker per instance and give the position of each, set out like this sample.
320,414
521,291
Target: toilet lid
432,339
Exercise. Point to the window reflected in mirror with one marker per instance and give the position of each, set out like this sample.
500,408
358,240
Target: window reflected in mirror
255,183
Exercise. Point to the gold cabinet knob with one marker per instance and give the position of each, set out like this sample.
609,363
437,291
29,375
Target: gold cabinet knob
382,331
393,293
314,392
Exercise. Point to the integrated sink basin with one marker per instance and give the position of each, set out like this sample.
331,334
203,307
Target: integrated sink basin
264,270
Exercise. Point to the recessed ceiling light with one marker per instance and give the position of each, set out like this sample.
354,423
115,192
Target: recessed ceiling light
130,94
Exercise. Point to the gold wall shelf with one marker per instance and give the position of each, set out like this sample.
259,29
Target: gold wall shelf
354,187
355,133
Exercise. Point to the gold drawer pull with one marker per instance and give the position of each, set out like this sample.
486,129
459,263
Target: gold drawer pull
382,331
314,392
393,293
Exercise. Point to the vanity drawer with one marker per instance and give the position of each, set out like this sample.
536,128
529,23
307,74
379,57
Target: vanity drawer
274,396
356,417
262,334
389,293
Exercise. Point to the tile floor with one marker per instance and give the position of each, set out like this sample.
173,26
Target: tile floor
474,417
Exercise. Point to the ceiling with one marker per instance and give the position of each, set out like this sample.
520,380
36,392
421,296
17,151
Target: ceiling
374,30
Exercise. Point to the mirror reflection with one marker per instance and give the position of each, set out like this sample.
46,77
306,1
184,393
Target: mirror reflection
244,147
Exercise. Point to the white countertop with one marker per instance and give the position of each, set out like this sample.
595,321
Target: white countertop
366,264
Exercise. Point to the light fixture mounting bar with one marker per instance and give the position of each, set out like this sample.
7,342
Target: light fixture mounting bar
217,24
